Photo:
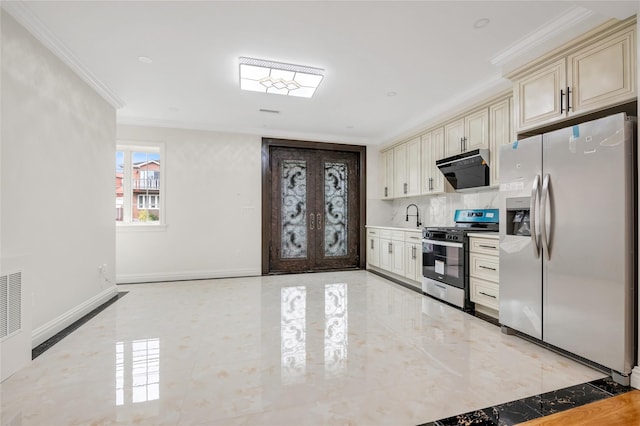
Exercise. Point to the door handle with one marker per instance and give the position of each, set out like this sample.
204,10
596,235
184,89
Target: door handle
461,149
532,216
390,249
405,188
485,246
318,221
544,199
430,184
372,244
485,294
386,192
569,98
413,252
486,267
561,101
311,222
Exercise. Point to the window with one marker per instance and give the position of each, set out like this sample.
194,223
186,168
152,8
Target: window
148,201
139,191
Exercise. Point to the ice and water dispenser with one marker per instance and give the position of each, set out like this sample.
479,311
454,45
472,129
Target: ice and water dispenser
518,213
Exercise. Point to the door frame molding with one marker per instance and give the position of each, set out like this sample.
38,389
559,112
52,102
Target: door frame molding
267,144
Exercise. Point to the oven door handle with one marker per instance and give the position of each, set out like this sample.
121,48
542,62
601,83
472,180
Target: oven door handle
443,243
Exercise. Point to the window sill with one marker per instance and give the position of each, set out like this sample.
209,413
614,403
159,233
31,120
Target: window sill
139,227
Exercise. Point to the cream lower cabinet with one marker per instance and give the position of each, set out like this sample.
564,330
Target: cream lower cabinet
373,247
484,269
413,255
392,251
396,251
596,72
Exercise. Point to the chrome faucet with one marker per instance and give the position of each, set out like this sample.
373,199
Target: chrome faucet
417,215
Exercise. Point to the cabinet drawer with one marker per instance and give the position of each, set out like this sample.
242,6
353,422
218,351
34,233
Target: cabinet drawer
384,233
484,246
373,232
397,235
413,237
484,266
485,293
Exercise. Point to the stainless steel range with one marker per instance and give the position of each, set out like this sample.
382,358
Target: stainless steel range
445,255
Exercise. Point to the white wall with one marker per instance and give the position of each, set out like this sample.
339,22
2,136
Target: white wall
212,209
438,210
57,181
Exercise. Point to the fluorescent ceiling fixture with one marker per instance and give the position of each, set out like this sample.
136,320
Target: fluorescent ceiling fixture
258,75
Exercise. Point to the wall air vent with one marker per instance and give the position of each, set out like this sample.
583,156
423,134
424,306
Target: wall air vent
10,304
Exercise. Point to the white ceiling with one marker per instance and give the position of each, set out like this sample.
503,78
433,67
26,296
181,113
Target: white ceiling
427,52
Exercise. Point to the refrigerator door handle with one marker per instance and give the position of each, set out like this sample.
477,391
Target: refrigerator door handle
544,199
535,189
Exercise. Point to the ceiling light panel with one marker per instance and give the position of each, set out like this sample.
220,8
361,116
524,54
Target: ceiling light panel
279,78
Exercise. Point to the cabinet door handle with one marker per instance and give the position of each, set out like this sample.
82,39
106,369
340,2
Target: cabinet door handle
569,98
461,145
386,192
485,246
430,184
390,248
311,221
561,101
405,188
488,295
372,244
413,252
318,221
486,267
464,143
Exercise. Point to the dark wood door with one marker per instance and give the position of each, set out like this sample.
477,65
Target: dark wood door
315,217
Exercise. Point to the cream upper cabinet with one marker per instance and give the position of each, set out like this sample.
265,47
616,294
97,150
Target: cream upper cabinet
467,133
500,133
386,173
432,148
406,166
540,95
603,74
597,73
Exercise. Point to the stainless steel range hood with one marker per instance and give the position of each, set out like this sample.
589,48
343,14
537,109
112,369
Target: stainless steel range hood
468,170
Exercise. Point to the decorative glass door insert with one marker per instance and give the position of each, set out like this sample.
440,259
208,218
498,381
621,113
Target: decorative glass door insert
314,218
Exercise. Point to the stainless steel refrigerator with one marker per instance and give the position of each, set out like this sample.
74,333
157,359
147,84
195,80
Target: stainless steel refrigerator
567,240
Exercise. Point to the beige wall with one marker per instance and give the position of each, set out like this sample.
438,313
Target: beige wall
57,181
212,183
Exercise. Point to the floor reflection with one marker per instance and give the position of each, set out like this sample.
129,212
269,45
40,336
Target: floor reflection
336,330
137,371
293,351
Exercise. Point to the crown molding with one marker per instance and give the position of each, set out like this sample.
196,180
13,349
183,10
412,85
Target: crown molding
25,16
542,35
262,132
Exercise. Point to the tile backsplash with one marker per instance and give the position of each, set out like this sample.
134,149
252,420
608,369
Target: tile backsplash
438,210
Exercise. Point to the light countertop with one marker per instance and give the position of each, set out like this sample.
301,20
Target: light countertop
394,228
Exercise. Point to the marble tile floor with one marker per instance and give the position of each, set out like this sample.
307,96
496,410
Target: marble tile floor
343,348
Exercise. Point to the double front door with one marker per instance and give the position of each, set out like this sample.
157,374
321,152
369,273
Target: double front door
314,210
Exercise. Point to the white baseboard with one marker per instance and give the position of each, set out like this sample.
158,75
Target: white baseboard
635,377
185,275
50,329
